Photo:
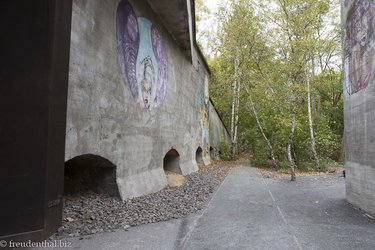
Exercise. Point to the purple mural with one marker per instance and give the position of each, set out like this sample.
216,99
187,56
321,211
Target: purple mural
142,57
127,43
161,57
358,46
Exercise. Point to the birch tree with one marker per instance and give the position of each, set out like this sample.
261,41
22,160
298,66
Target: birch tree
276,80
235,46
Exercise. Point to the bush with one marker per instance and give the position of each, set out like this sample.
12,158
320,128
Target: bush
225,150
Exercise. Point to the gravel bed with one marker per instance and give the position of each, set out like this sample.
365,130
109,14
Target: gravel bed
90,213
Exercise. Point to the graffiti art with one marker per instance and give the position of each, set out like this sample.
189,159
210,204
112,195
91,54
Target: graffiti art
142,56
359,46
203,104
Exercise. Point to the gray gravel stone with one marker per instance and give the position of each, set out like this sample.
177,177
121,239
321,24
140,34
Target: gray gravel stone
94,213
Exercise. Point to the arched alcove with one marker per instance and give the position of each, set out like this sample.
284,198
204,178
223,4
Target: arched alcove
199,156
90,173
171,162
212,153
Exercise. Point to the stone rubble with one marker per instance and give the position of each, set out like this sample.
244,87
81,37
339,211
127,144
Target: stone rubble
90,213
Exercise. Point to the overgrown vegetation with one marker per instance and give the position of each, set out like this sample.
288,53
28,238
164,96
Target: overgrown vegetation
226,150
276,80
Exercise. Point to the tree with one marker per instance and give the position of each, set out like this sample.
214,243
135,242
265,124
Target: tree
299,26
245,51
273,61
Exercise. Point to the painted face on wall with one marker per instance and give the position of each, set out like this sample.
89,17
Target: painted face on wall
147,82
362,28
359,48
142,56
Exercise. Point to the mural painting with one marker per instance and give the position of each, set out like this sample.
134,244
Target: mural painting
142,56
203,102
359,46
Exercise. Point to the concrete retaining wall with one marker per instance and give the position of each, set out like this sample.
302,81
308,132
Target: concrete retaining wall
358,21
107,112
217,130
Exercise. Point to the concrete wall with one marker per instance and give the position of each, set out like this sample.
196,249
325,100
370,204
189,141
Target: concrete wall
217,129
109,83
359,88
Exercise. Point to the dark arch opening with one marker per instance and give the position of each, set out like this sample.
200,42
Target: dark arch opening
89,172
171,162
212,153
199,156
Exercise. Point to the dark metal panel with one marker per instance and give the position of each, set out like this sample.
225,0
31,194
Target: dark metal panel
34,62
59,30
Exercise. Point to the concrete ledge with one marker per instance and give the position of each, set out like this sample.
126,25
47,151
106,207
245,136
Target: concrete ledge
189,167
143,183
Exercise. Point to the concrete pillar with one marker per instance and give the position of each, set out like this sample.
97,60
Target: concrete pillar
358,23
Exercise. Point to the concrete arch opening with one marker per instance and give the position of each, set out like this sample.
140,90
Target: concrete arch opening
199,156
212,153
90,172
171,162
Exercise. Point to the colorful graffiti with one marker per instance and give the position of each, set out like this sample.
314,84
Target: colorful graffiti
359,46
203,104
142,56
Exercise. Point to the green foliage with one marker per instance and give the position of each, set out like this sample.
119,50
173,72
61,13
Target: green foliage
201,10
225,150
279,48
328,143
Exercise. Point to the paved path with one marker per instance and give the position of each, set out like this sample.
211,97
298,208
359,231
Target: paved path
249,212
242,215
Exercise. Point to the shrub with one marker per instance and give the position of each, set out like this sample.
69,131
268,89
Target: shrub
225,150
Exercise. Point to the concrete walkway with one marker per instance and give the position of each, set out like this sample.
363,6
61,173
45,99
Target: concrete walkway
242,215
249,212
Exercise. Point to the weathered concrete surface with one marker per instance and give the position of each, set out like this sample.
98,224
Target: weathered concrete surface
217,129
175,16
242,215
319,216
157,236
104,118
359,88
248,212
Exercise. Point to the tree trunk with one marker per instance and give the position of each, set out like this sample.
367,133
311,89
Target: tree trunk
297,161
272,152
290,142
237,106
313,149
233,110
291,161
